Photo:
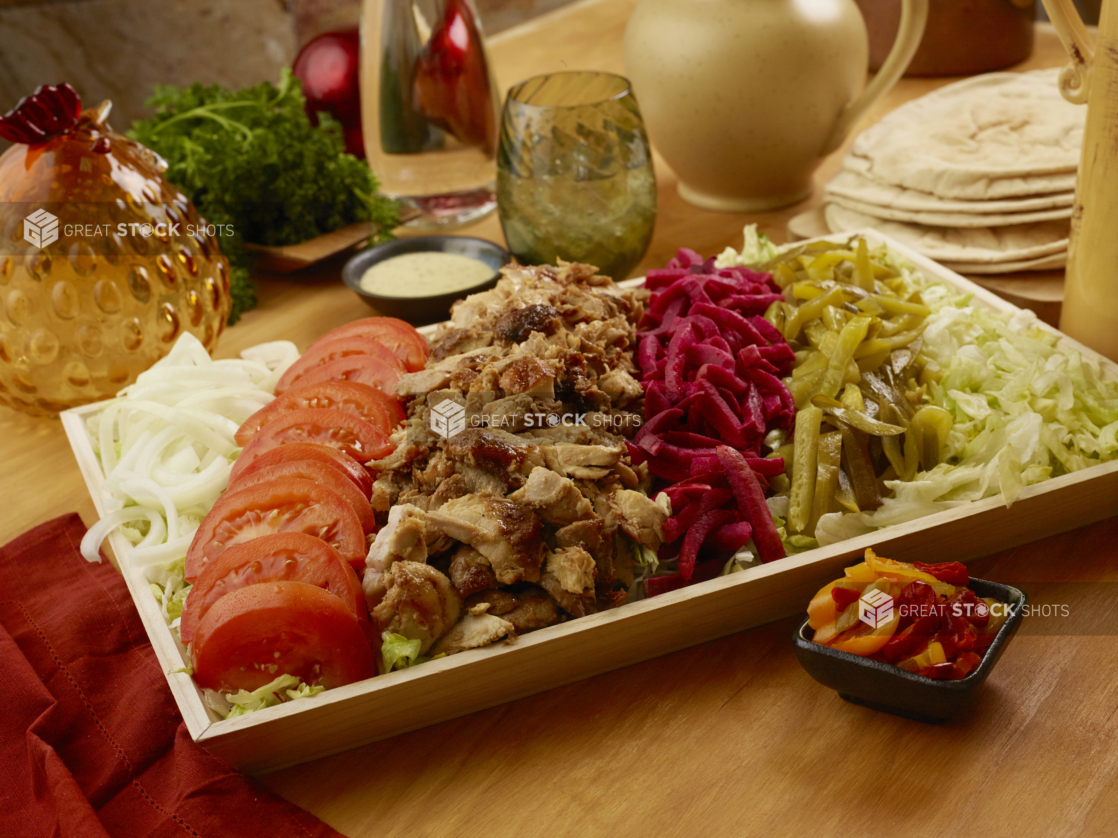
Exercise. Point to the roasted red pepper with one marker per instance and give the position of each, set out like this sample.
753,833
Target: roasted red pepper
953,573
939,628
844,597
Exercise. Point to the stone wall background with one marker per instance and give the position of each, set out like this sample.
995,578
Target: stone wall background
120,49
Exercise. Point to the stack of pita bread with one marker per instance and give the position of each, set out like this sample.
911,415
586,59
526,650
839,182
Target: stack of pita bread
978,175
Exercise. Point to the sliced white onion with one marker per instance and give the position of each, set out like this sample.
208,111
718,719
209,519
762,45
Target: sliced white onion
95,535
167,442
161,554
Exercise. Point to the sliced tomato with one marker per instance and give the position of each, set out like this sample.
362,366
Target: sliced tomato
307,451
338,347
322,474
401,338
364,369
289,505
280,557
252,636
336,428
376,408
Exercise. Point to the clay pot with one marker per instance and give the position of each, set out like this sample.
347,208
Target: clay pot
744,98
962,36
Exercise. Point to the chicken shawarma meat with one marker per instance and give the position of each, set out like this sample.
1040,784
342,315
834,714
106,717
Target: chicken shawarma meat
475,630
495,451
507,533
640,517
420,604
556,499
527,607
458,341
470,571
517,462
401,539
574,568
588,462
621,387
577,605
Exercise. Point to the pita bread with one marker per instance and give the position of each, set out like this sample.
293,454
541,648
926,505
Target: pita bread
952,219
983,190
962,244
857,187
1060,260
996,135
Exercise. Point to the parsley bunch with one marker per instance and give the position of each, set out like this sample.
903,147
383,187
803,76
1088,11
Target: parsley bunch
250,160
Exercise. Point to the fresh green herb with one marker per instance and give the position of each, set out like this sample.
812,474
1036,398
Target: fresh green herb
255,167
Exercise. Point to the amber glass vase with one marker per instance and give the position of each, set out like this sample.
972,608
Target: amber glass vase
103,264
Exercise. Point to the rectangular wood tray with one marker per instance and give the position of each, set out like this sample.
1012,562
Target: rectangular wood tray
391,704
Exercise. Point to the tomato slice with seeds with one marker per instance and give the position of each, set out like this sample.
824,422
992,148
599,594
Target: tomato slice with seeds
336,428
252,636
324,475
289,505
376,408
280,557
307,451
401,338
342,346
364,369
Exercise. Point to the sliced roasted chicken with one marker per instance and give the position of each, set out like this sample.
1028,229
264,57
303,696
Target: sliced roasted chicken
495,451
621,387
577,605
420,604
525,606
401,539
556,499
505,532
574,568
470,571
588,462
640,517
475,630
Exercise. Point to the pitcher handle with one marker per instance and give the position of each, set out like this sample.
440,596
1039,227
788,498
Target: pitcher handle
1075,78
914,14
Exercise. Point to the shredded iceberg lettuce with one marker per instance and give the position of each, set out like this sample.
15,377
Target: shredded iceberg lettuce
1024,410
170,590
282,689
756,250
398,652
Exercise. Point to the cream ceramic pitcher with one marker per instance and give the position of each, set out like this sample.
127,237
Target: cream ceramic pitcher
1090,311
744,98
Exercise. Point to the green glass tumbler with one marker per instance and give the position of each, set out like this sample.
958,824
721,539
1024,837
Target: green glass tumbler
574,173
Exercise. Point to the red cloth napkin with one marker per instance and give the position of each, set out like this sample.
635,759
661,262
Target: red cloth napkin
91,743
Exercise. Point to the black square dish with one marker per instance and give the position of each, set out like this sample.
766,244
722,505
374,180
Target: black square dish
882,686
431,308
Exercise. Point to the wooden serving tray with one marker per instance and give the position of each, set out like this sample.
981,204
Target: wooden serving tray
387,705
289,258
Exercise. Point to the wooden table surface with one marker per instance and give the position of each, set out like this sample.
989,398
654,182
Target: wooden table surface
731,737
